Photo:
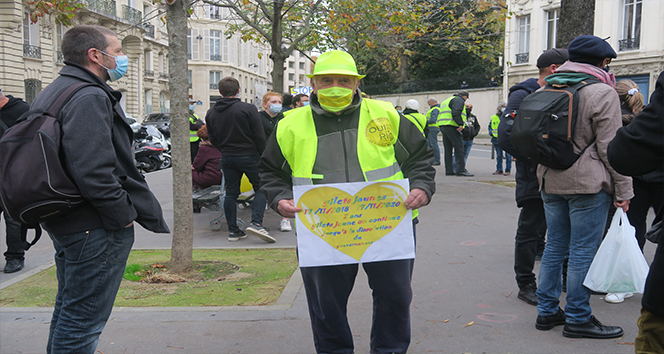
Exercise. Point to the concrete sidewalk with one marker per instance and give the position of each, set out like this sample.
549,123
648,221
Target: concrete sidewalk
463,273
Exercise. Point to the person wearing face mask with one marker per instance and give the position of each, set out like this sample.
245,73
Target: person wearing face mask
195,124
493,131
342,137
92,243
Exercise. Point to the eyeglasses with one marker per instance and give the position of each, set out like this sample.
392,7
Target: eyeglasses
608,61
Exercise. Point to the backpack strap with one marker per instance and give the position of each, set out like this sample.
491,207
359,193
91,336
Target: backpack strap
55,108
24,235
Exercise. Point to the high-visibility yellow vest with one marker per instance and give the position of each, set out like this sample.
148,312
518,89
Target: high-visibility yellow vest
192,133
445,115
428,116
418,119
495,121
378,130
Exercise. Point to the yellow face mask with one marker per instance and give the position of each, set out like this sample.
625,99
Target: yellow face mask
335,99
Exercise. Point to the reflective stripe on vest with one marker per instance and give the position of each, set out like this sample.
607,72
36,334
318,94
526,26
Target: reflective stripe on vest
445,115
378,130
428,116
192,133
418,119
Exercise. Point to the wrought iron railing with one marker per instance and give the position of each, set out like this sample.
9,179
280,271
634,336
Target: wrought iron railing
149,73
31,51
102,6
163,76
215,57
628,44
149,30
522,58
60,57
131,14
214,86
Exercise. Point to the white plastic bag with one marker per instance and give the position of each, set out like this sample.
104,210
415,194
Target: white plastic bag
619,265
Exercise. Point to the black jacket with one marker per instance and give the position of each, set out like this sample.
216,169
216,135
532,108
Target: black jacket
457,105
339,164
10,112
235,128
527,186
472,127
270,122
638,149
96,143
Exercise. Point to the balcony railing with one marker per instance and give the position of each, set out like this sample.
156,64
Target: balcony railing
31,51
149,73
628,44
102,6
215,57
522,58
60,57
163,76
214,86
149,30
131,14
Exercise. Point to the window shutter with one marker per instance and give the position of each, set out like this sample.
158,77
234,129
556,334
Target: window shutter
194,44
206,10
34,34
224,48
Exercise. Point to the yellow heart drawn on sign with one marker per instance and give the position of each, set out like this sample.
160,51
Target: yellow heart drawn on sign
352,223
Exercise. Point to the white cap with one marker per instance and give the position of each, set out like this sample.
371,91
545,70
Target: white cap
413,104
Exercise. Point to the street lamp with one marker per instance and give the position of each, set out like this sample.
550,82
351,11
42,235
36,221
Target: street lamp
497,7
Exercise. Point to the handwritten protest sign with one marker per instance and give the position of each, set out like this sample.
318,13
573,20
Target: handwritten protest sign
353,223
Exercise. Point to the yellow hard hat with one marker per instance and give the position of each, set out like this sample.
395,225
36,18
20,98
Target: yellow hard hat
335,62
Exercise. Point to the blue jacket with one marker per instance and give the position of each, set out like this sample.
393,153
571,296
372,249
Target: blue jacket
526,172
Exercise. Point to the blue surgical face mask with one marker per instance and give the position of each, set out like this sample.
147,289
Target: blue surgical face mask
121,65
192,107
306,103
275,108
502,109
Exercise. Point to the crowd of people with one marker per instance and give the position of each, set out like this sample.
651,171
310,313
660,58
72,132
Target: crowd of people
291,142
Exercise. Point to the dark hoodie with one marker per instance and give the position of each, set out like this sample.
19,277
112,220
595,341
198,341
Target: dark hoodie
527,186
270,122
235,128
13,109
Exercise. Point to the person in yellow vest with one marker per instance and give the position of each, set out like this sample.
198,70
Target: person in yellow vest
412,113
335,145
432,136
451,120
493,131
194,124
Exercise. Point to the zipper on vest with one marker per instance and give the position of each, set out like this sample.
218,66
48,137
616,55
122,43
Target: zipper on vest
343,146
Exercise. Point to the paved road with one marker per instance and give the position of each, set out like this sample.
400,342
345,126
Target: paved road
463,274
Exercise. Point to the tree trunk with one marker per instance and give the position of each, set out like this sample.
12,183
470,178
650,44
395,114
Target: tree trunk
577,17
183,217
403,76
278,56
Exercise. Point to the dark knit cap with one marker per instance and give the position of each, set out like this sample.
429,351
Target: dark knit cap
463,93
590,49
552,56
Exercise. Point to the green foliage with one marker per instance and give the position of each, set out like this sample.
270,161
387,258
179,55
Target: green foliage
63,10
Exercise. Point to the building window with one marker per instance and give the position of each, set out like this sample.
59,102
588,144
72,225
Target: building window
212,11
291,76
631,25
149,68
190,80
552,17
291,64
523,38
32,88
148,102
164,103
31,48
215,77
301,66
215,45
60,30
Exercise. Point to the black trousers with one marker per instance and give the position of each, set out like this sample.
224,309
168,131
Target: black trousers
193,148
646,195
14,245
328,289
531,228
453,143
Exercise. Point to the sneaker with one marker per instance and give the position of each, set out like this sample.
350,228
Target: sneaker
13,265
616,298
285,225
258,230
498,172
236,235
507,173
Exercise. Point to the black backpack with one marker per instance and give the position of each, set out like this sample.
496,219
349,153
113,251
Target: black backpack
34,183
544,125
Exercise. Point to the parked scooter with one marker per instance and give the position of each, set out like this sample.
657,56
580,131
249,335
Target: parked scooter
149,149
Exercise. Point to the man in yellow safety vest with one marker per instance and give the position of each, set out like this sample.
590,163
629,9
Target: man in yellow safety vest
333,140
195,123
451,120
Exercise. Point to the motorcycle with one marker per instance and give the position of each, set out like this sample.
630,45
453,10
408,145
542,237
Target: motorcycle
150,133
149,149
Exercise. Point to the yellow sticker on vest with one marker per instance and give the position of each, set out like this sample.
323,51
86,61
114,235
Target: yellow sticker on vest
379,132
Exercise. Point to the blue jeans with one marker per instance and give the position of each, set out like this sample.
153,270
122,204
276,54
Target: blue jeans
233,167
576,225
432,141
90,266
499,157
